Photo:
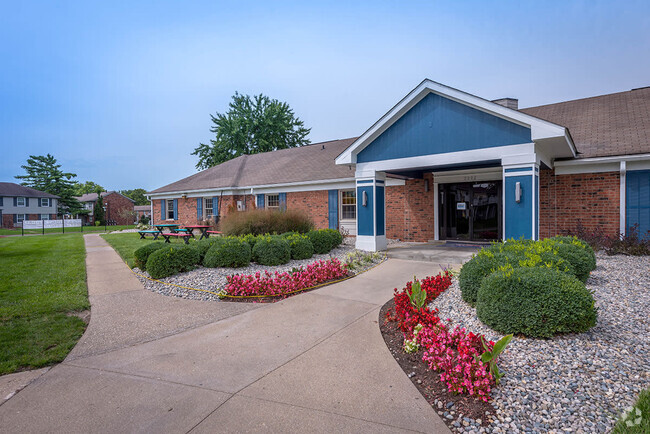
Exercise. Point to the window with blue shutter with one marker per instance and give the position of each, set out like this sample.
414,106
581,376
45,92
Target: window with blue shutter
215,206
15,202
333,208
638,201
283,201
175,209
199,208
260,201
162,210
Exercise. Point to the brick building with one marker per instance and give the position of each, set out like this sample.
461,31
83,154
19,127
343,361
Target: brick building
119,208
446,165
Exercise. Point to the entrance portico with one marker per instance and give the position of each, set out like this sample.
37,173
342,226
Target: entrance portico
460,139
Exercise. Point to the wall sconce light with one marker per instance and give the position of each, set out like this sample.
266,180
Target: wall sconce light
518,192
426,185
184,195
364,198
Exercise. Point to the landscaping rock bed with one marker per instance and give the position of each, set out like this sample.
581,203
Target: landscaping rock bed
571,383
214,279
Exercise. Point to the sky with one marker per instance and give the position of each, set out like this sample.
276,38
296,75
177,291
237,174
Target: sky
121,92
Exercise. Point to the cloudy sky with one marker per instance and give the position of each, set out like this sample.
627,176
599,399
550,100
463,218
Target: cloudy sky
121,92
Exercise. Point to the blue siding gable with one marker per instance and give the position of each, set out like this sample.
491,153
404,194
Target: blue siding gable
437,125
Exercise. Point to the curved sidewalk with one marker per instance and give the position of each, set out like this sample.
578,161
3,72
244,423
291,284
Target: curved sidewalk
315,362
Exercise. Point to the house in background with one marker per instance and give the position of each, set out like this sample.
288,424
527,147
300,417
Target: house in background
117,206
142,210
19,203
443,164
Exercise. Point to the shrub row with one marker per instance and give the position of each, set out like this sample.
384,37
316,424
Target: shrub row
535,288
265,221
235,251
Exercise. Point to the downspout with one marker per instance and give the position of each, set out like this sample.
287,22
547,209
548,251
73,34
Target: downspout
622,207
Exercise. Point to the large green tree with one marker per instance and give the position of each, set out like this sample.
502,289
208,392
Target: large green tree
45,174
137,194
251,125
86,187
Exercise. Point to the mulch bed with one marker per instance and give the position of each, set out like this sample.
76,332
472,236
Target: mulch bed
428,382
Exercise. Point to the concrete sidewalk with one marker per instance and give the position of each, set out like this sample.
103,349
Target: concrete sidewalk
315,362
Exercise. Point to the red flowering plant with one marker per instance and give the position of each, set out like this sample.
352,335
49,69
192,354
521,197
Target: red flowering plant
282,284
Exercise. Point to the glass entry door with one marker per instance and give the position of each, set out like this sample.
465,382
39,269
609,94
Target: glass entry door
470,211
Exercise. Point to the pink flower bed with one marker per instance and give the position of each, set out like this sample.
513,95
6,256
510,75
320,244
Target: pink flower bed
278,284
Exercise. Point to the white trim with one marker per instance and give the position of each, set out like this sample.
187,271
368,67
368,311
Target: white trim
623,199
602,164
450,158
540,129
503,205
371,243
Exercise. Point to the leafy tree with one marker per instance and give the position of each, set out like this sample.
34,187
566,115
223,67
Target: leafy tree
44,174
251,125
86,187
137,194
98,210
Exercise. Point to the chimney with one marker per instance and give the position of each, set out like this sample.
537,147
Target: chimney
511,103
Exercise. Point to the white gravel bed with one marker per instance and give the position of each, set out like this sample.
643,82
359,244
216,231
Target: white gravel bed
214,279
572,383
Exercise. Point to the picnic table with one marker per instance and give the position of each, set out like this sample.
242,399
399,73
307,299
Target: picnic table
167,226
207,233
145,233
202,228
167,235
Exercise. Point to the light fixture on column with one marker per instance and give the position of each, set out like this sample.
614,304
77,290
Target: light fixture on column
518,192
364,198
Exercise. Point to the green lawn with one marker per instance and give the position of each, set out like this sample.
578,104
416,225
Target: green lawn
86,230
42,279
643,405
126,244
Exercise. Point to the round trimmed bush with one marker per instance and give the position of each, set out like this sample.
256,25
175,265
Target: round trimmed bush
250,239
578,257
472,273
335,236
580,243
536,302
141,255
231,252
301,247
205,244
321,240
171,260
271,251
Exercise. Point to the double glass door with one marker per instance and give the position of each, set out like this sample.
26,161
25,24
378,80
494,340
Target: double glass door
470,211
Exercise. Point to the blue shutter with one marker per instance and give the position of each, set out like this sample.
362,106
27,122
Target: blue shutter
283,201
38,201
199,208
162,210
175,209
260,201
15,202
1,201
15,218
638,201
333,207
215,206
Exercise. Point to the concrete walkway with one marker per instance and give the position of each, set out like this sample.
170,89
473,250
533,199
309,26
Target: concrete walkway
315,362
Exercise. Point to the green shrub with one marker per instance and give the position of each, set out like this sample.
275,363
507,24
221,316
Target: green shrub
578,257
321,240
535,302
301,247
271,251
250,239
580,243
288,234
475,270
266,221
141,255
205,244
170,260
231,252
336,237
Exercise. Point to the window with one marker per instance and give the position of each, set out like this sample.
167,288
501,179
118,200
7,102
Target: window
88,205
273,201
20,218
348,205
45,216
170,209
207,213
20,201
45,201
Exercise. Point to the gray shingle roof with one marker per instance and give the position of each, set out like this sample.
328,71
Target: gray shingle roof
12,189
92,197
606,125
313,162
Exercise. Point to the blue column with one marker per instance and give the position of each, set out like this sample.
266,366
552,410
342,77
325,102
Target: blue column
371,212
521,202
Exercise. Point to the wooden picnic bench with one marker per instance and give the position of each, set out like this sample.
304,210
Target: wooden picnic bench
207,233
143,234
202,228
168,235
